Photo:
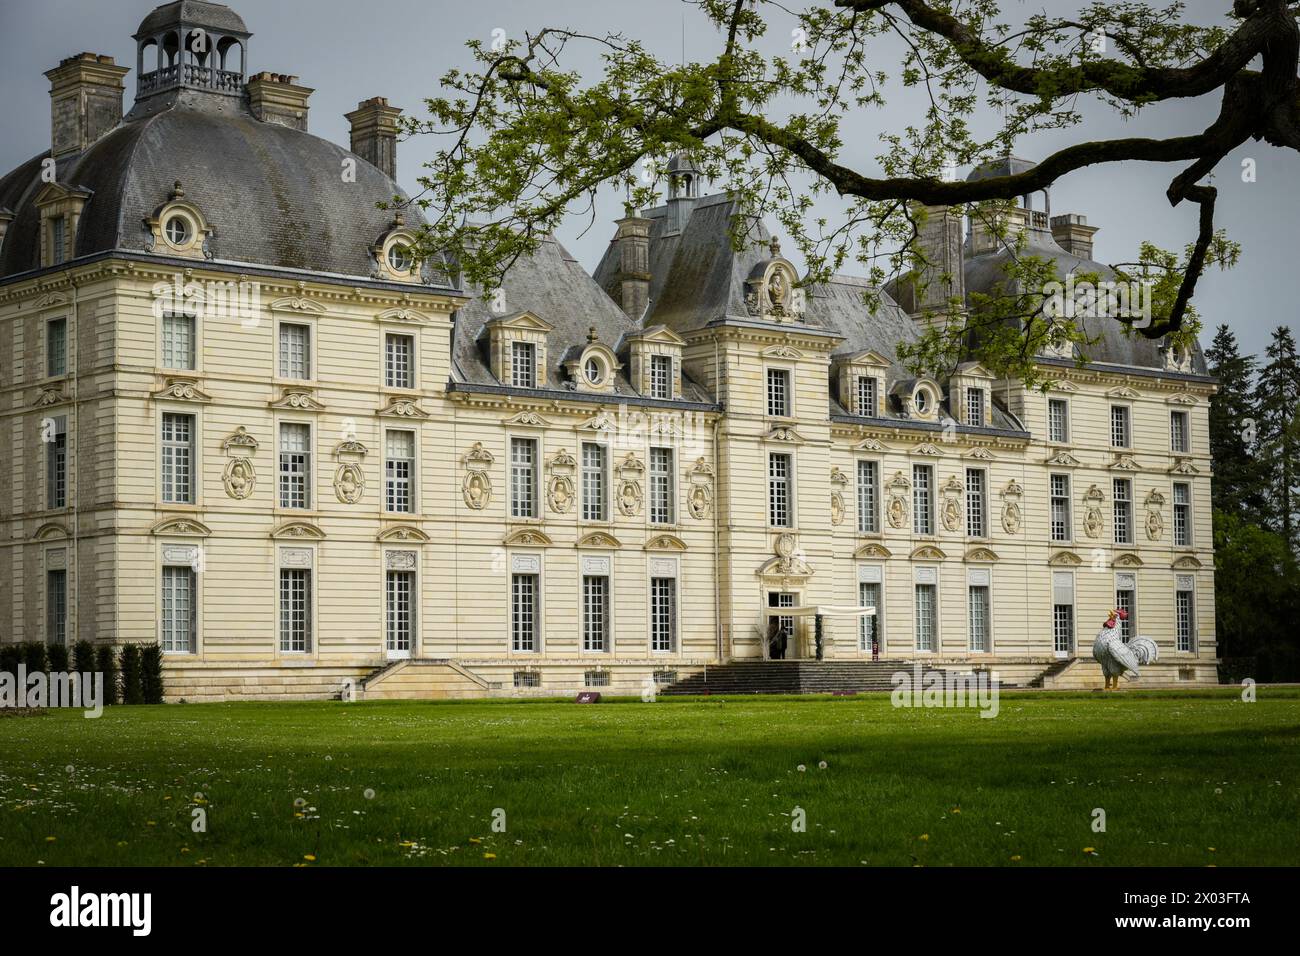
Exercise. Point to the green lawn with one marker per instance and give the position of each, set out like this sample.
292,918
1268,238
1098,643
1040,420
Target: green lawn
1188,779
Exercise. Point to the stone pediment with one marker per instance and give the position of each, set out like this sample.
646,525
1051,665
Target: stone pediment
1127,560
50,531
403,533
784,433
928,552
189,527
1123,391
1065,559
182,390
527,419
527,537
1062,458
299,400
981,454
1187,563
873,550
1184,466
927,448
299,304
1125,463
403,315
782,351
665,542
981,555
403,408
599,539
300,530
871,444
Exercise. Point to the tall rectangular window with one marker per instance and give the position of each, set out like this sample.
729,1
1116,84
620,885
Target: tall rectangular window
523,477
56,347
1179,432
58,240
977,600
179,609
778,393
1063,612
523,612
661,376
399,471
868,497
976,523
1182,515
178,459
1185,613
523,365
399,360
867,396
295,350
595,612
178,341
295,465
869,628
595,485
56,607
1058,420
662,495
56,464
295,610
922,499
1060,503
663,614
975,407
399,611
778,491
1126,600
1123,494
926,616
1119,426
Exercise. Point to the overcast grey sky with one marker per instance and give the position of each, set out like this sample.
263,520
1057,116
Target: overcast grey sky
349,50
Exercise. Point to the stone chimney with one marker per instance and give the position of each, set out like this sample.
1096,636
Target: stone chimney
277,98
632,242
1073,234
941,277
374,134
85,101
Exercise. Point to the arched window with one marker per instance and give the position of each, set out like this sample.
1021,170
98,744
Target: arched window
171,48
226,50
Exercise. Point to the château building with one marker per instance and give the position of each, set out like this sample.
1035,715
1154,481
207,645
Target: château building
244,422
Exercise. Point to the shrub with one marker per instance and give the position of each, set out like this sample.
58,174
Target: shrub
106,664
132,688
11,655
57,654
151,674
83,657
35,657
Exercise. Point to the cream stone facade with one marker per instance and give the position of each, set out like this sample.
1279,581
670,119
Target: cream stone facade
242,421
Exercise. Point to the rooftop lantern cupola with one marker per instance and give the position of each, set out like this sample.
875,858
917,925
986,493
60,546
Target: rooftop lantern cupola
683,177
191,44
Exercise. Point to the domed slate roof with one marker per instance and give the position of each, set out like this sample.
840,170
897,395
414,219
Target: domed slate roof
274,196
217,16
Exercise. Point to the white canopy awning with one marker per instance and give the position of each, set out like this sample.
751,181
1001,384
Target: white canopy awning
824,610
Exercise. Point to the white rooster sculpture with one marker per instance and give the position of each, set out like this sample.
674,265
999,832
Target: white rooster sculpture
1116,657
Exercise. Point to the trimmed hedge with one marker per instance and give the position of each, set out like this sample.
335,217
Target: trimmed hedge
106,664
151,674
132,675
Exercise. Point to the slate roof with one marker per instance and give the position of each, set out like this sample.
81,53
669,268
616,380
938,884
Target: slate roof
986,274
273,195
553,286
216,16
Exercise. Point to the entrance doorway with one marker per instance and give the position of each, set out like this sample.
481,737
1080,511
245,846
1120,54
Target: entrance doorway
782,635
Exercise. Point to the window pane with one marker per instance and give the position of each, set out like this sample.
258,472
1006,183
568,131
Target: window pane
1058,420
523,483
661,376
1060,486
56,347
295,609
399,471
922,507
178,458
778,392
778,484
56,463
975,523
868,497
399,361
867,396
1119,426
56,607
925,617
523,612
295,351
868,629
400,611
595,612
594,485
178,341
662,495
523,365
1123,511
979,618
975,406
179,609
663,614
295,465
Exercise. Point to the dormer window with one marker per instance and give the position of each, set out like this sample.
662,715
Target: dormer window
975,407
58,240
178,231
655,359
592,366
178,227
661,376
517,349
921,401
920,398
400,259
523,365
970,393
868,389
594,369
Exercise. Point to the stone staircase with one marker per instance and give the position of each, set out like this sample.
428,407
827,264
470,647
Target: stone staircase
421,679
794,677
